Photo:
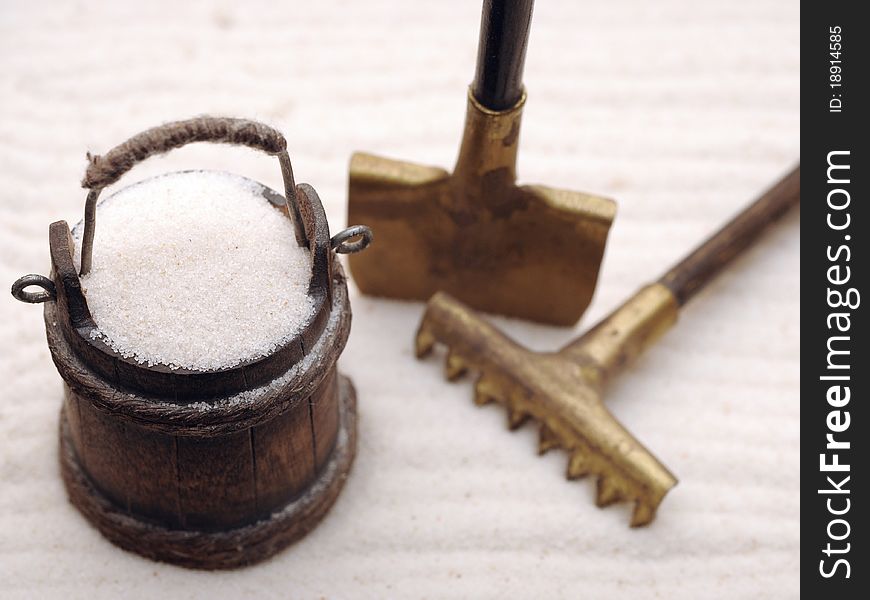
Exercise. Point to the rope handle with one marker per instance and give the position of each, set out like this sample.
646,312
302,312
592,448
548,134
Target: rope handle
106,169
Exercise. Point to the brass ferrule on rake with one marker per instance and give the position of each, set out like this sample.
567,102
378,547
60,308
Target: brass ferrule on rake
526,251
563,390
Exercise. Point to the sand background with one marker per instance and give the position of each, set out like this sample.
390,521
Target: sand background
680,110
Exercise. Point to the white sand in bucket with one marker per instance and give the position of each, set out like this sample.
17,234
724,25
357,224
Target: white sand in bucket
196,270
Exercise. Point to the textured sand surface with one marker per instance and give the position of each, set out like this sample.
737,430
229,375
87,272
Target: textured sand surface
680,110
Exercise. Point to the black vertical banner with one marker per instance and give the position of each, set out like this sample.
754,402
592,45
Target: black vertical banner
835,368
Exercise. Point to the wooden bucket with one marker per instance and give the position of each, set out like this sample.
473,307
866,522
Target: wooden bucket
205,469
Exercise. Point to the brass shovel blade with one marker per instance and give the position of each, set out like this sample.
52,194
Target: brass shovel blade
531,251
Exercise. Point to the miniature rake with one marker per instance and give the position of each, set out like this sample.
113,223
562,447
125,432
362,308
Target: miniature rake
563,390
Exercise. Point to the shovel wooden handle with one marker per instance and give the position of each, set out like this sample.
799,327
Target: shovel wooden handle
504,36
691,274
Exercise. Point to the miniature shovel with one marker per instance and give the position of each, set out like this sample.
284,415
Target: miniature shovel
530,251
562,390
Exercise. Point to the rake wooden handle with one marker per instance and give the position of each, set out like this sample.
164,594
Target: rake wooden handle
691,274
504,36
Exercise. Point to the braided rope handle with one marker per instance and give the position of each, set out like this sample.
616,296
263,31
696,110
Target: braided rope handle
107,169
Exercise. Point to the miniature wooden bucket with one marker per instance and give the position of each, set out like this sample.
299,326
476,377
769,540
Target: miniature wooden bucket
206,469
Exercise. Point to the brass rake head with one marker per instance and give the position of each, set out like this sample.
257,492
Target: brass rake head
562,390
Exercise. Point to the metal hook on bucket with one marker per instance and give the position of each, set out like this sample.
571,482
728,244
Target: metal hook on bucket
341,245
19,289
